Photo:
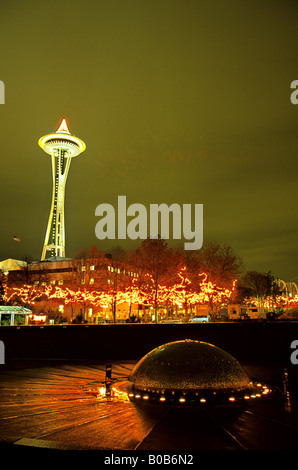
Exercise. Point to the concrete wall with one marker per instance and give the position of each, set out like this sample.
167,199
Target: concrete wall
252,342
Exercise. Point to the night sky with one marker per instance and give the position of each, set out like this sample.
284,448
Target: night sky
184,101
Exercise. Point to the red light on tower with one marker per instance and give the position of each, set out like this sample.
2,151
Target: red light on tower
63,127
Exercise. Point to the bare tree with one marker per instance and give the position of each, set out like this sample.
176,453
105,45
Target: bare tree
259,285
154,262
220,263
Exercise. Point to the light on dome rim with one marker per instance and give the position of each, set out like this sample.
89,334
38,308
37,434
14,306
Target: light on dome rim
264,390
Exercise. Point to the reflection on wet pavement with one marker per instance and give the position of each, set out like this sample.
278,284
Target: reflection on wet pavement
66,405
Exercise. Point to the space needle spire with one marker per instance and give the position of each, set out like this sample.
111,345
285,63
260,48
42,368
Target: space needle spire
62,146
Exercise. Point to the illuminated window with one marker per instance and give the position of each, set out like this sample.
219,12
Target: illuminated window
91,280
43,283
92,268
83,268
90,312
36,283
53,282
82,281
61,308
60,283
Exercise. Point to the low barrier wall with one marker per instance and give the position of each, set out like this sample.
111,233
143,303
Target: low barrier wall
253,342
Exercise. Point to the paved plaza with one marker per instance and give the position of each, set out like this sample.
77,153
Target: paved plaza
64,406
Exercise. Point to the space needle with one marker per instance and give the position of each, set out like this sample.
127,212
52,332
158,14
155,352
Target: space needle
62,146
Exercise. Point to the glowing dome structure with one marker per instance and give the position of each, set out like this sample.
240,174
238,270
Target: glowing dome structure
62,146
190,371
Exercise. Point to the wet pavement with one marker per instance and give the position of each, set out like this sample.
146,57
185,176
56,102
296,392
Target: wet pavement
64,406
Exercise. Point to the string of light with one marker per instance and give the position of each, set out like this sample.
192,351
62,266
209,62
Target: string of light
180,293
